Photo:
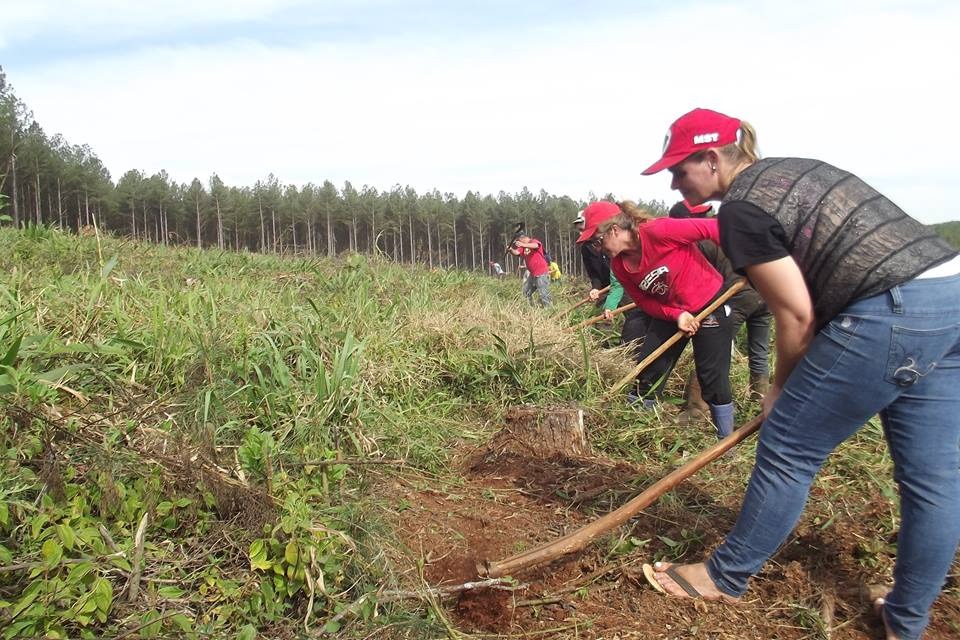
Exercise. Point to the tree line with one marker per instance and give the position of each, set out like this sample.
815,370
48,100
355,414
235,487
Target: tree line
45,180
949,231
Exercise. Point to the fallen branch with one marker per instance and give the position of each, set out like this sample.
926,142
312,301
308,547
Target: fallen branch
347,461
558,597
828,608
582,537
22,566
539,602
505,584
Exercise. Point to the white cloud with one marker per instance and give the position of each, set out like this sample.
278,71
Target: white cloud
112,18
567,107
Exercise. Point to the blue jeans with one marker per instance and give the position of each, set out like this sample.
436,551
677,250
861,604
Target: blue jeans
896,354
542,286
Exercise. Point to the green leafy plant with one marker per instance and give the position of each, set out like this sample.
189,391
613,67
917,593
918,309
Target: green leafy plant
66,583
298,555
254,452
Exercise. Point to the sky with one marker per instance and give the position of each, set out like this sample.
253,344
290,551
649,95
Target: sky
570,97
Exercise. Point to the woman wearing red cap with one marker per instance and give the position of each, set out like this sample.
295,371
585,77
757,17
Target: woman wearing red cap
658,262
867,305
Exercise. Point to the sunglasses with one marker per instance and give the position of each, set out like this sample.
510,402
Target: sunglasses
596,240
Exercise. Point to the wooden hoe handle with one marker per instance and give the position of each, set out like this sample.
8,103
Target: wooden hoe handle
596,319
564,314
625,380
579,539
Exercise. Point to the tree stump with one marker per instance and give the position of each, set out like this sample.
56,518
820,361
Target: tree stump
543,432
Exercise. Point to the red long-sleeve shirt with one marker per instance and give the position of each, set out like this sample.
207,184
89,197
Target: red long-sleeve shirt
671,275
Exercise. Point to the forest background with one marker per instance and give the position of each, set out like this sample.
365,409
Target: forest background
46,179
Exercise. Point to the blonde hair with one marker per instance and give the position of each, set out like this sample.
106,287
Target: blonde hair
630,217
744,150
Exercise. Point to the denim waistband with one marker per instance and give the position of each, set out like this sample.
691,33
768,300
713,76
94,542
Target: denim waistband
927,296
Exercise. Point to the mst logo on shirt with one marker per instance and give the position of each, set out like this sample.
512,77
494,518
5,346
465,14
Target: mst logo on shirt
654,282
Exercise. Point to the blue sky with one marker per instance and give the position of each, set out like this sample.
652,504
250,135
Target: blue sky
572,97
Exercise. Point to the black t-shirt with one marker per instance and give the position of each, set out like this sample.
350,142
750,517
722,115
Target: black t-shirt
749,235
597,266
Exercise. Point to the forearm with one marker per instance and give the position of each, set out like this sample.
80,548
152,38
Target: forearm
794,335
783,288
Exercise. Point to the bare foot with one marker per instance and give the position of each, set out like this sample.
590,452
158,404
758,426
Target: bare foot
670,576
878,609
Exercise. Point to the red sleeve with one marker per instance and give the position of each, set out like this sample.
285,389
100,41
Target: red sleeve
657,310
682,231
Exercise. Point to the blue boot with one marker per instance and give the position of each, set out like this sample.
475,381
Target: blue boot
722,415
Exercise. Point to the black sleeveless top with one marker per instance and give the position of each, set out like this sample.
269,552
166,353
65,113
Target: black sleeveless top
850,241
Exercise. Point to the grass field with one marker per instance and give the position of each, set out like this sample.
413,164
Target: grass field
201,443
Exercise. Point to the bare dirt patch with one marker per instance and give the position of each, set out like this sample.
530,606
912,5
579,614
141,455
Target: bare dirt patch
508,503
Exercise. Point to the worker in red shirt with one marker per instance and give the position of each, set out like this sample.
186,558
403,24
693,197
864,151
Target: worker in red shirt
538,278
658,262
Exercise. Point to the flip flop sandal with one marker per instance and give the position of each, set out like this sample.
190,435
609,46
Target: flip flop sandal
648,573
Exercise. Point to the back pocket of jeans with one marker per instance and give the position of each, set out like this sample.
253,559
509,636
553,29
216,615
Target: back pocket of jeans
914,353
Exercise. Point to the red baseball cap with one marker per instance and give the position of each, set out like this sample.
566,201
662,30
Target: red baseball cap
594,215
695,131
684,209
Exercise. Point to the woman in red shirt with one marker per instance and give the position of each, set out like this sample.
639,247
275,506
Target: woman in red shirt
658,262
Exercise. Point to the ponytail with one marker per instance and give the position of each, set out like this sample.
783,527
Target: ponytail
633,210
744,150
630,217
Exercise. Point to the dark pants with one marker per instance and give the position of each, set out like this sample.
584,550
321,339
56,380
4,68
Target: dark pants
635,324
711,355
750,309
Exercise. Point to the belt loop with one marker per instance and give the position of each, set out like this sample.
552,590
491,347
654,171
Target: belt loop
897,298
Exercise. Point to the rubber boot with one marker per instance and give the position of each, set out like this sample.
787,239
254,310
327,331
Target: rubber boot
722,415
759,384
696,409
